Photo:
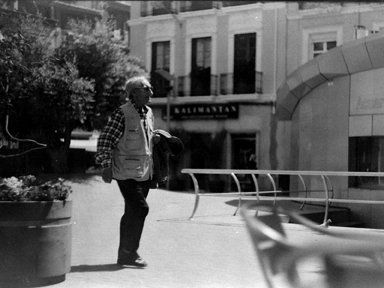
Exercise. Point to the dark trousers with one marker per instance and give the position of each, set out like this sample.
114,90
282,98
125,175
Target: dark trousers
135,211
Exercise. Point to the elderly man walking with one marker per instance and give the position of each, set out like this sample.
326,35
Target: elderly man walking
124,151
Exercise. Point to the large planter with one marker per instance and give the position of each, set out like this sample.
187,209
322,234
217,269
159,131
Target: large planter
35,241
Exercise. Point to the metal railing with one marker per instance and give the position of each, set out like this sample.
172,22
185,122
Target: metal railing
155,11
328,188
222,84
167,7
229,83
184,86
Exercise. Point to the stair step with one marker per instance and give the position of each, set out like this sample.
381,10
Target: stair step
336,216
339,216
357,224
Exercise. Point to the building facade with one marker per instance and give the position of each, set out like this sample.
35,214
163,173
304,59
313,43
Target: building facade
213,65
219,69
332,104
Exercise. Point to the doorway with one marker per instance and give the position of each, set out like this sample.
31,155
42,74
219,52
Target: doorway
244,156
201,66
244,69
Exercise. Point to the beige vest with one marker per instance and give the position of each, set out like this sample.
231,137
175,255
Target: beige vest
132,157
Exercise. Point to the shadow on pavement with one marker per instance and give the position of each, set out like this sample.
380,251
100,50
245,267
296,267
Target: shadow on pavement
235,202
96,268
32,282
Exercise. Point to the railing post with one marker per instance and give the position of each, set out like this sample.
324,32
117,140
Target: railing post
239,190
331,186
305,188
274,187
257,190
197,194
326,221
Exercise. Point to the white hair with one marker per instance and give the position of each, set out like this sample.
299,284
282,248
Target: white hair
135,82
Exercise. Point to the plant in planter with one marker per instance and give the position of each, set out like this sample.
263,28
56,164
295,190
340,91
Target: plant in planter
35,230
29,188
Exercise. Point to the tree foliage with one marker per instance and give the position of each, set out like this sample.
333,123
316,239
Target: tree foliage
100,57
41,96
52,82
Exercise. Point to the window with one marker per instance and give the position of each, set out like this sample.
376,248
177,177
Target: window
366,154
203,53
318,40
201,66
161,55
244,70
322,47
321,43
160,68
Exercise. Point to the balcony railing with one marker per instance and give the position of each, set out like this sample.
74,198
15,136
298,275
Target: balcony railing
161,86
183,86
222,84
314,5
157,11
187,6
166,7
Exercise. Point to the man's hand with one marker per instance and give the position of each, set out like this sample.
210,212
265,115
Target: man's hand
107,175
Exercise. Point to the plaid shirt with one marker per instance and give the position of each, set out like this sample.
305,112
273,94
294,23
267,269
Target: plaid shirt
111,135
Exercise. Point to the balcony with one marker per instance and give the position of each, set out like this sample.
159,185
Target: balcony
222,84
156,8
166,7
189,6
315,5
157,11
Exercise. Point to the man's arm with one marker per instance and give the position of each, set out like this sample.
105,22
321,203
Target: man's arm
107,141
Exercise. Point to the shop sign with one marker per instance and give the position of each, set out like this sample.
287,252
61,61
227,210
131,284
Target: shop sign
205,111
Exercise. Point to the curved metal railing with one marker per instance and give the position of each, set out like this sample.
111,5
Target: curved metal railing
327,199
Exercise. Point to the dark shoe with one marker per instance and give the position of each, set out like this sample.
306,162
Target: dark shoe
137,262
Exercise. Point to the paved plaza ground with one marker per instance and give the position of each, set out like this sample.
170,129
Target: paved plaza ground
207,252
211,251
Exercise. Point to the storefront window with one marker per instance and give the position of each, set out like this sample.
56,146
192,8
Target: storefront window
206,150
366,154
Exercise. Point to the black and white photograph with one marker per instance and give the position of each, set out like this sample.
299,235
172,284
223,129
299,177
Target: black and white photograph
191,144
